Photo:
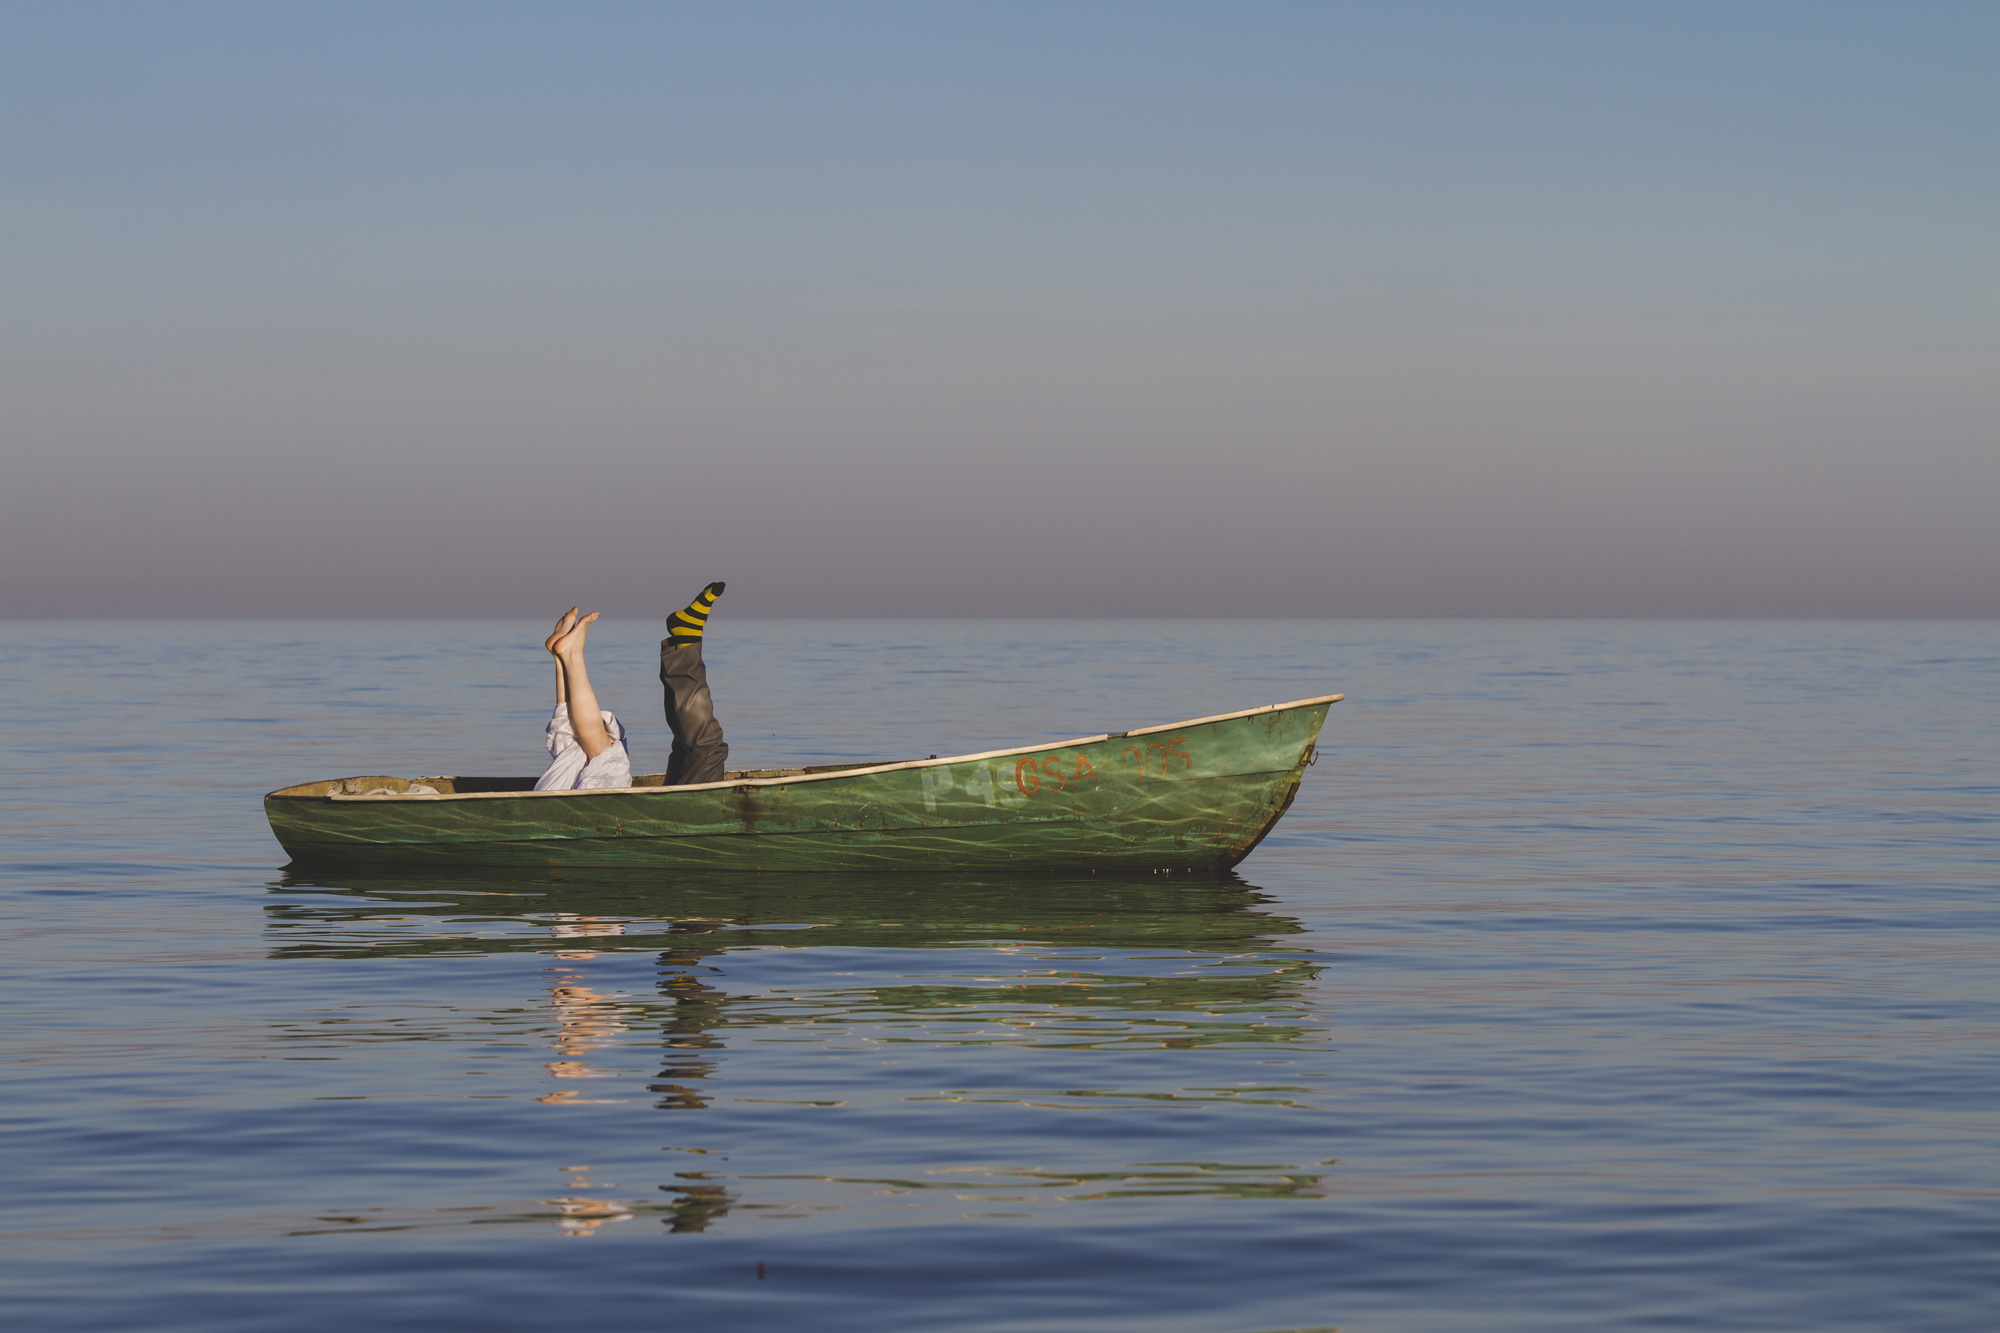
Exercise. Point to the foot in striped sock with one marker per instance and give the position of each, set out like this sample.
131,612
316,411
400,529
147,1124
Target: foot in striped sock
686,624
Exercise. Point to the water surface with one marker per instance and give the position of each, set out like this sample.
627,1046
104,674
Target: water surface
1605,974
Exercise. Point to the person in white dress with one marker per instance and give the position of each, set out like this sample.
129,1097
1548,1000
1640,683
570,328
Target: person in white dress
586,743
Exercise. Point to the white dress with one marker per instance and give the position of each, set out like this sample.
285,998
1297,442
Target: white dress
572,770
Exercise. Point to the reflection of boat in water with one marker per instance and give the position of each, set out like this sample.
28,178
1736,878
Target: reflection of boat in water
711,1019
369,911
1240,978
1196,795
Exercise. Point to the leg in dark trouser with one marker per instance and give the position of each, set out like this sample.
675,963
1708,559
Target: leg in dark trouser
699,753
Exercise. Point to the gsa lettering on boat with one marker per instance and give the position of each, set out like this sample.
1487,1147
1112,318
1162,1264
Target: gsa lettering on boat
1065,770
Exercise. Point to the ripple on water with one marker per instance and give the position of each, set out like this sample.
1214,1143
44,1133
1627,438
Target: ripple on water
1622,974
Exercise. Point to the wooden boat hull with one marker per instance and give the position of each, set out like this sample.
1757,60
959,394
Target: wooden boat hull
1197,795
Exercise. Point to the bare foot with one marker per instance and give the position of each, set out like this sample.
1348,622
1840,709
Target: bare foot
564,623
572,639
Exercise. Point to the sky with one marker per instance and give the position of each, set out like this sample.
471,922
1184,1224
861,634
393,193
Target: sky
443,309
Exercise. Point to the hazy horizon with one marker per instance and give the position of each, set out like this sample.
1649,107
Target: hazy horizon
1441,309
611,617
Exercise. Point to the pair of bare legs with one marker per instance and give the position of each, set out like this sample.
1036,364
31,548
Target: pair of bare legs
586,719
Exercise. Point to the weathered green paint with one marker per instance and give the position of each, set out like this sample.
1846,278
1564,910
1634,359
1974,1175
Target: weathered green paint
1197,796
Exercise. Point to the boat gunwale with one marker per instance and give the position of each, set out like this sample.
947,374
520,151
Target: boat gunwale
731,784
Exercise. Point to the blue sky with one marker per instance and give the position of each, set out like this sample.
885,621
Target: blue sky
459,309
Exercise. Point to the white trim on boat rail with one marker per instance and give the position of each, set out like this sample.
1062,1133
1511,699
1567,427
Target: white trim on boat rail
1220,717
822,777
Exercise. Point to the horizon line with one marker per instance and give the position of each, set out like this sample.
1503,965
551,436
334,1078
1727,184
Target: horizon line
976,615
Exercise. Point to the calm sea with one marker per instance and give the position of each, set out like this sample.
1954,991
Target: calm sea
1605,975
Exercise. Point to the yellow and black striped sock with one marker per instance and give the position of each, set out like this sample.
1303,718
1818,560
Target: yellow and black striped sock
686,624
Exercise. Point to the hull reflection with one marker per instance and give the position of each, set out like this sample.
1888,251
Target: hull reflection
751,1002
465,907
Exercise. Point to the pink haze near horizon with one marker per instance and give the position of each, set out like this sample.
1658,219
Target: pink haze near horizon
1160,309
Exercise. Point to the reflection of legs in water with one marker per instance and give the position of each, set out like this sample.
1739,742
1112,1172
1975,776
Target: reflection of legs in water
699,754
585,1020
697,1008
690,1032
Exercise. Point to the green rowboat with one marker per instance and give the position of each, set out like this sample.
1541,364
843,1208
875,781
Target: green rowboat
1196,795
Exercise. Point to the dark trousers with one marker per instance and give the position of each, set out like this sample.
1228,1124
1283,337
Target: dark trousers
699,753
